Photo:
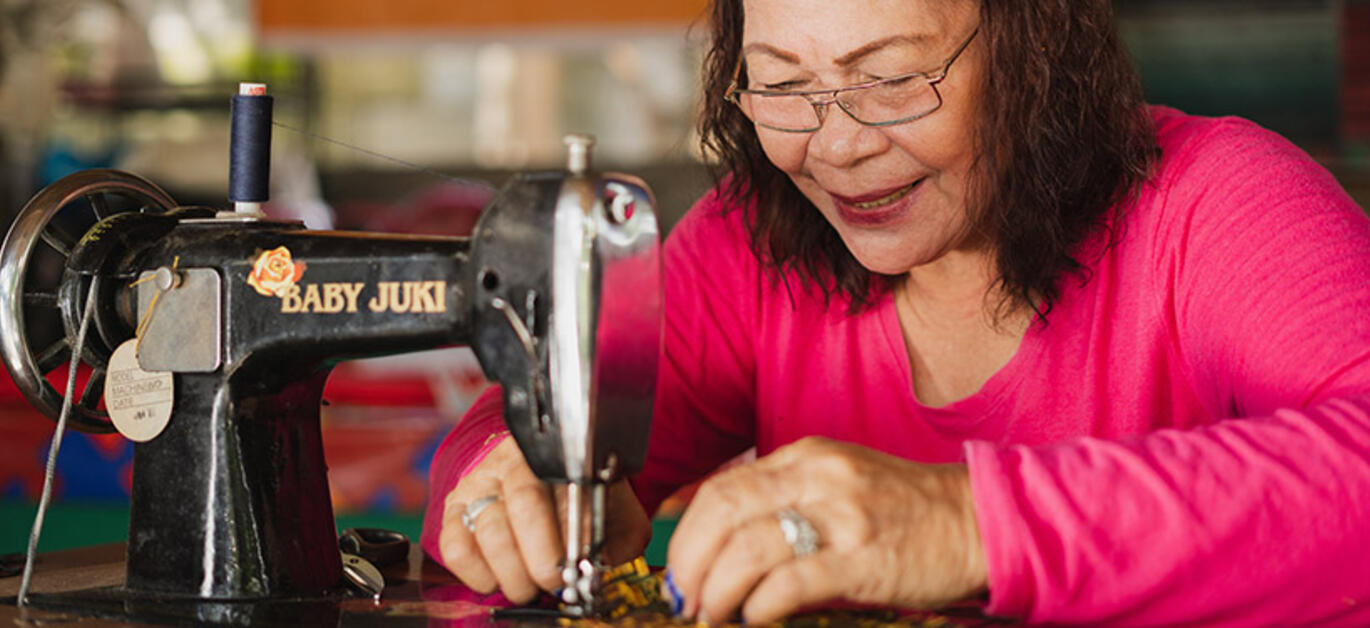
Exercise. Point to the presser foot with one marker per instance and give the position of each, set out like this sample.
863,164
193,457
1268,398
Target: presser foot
627,588
582,581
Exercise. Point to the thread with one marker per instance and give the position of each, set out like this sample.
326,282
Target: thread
249,162
394,160
51,470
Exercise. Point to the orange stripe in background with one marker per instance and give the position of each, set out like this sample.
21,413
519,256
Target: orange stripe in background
326,16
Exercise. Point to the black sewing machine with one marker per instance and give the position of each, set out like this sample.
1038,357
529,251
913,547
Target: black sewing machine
213,333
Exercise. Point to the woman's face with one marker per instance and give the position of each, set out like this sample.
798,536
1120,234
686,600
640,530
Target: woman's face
895,194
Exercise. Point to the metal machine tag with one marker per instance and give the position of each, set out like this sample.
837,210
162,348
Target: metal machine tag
182,329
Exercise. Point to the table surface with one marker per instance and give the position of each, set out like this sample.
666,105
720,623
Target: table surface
418,593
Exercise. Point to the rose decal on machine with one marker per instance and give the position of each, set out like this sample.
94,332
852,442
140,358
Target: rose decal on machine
274,272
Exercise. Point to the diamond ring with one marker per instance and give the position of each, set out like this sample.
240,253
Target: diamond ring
799,533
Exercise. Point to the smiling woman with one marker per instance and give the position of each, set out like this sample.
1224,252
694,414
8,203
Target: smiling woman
1032,342
1041,109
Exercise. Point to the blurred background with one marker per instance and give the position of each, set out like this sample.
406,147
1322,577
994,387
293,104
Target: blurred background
451,92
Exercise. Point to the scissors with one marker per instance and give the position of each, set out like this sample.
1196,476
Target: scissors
366,549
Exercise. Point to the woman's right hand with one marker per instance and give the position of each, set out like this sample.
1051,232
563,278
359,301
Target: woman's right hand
515,544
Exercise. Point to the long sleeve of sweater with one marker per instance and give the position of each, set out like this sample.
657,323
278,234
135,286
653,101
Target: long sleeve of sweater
1261,272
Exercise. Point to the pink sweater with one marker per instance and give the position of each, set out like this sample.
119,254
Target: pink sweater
1186,441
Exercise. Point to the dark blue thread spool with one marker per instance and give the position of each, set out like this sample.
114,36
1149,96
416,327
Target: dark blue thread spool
249,165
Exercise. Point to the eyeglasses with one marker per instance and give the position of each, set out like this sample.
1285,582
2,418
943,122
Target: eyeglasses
882,102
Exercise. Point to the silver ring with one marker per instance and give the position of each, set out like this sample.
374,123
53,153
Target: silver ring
799,533
473,510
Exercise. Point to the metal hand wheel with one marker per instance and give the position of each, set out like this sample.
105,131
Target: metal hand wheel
42,299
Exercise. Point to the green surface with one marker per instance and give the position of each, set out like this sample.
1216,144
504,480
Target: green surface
65,526
71,525
662,528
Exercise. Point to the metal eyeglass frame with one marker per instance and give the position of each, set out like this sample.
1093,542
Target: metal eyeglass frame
820,107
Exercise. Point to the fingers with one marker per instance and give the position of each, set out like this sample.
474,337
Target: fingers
459,551
725,504
514,542
795,585
754,550
531,512
500,550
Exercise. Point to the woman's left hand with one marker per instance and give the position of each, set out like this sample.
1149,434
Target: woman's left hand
890,532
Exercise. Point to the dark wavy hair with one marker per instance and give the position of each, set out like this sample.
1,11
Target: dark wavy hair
1063,140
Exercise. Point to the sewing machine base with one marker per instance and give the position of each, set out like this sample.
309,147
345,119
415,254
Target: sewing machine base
124,605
